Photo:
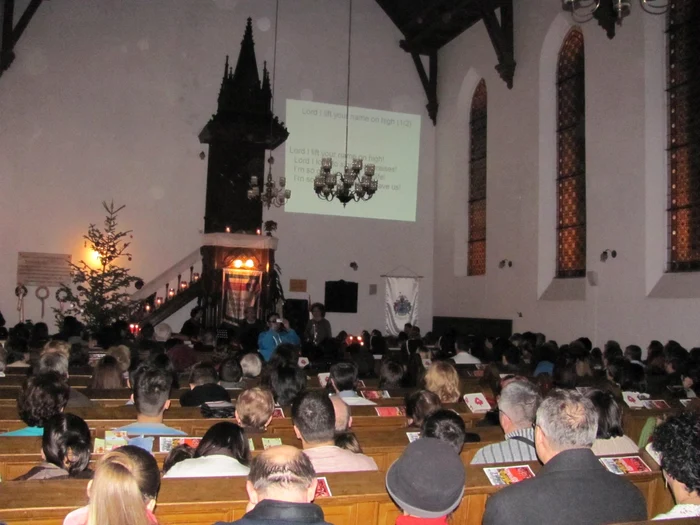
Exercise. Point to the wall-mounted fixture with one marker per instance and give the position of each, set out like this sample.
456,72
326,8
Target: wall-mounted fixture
505,262
609,13
607,253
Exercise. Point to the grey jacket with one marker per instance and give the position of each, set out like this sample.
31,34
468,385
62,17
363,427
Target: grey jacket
573,488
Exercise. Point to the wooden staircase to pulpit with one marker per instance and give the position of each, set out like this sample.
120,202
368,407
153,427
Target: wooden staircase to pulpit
171,306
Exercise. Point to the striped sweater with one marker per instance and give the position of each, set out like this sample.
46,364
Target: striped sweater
509,450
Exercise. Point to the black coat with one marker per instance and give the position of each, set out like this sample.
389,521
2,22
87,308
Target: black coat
273,512
573,488
204,394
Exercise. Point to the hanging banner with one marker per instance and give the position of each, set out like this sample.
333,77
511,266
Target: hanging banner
241,289
401,303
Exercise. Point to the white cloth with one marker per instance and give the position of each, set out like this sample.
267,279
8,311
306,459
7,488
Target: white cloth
207,467
465,358
680,511
401,303
616,446
353,399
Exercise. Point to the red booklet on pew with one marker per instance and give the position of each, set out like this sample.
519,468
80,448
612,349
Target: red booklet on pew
625,465
375,394
390,411
323,490
508,475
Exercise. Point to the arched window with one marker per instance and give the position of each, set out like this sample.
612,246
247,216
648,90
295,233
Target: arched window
571,158
477,183
684,135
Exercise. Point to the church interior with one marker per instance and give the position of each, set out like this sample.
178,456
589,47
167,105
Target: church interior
106,102
521,173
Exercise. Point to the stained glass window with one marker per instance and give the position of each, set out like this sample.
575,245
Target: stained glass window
571,158
684,135
477,183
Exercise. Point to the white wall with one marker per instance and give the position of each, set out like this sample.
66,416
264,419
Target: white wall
626,185
105,101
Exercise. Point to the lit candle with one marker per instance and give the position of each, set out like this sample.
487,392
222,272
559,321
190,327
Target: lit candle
195,277
171,293
228,230
132,328
258,231
159,301
183,285
148,308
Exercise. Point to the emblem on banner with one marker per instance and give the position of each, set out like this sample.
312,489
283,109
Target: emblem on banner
402,306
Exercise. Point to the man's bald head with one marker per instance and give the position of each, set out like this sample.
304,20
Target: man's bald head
343,419
283,473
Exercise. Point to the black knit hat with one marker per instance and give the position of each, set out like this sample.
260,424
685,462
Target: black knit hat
427,481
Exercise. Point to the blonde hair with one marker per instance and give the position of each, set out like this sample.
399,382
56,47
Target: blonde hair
442,379
254,407
123,356
60,347
125,481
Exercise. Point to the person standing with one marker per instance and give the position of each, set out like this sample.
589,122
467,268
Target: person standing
249,328
318,329
193,325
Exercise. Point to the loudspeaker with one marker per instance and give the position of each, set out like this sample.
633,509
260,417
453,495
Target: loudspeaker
296,311
341,296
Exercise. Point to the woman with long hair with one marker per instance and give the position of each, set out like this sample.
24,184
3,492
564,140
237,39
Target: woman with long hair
223,451
123,491
107,375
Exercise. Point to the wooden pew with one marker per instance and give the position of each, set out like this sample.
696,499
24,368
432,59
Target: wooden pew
18,380
19,454
677,521
190,420
634,419
358,499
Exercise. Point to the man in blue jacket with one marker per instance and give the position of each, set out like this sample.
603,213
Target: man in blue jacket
278,332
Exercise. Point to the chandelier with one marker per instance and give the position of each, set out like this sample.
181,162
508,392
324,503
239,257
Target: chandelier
585,10
273,194
345,187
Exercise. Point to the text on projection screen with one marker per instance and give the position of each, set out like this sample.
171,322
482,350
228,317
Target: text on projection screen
389,140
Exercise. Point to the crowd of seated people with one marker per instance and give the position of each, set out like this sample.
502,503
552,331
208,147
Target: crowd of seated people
556,404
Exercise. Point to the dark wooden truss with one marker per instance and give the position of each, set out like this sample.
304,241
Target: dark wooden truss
427,25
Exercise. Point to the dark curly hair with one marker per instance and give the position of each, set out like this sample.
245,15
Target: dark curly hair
678,441
41,397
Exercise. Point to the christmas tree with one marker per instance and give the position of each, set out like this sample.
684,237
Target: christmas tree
101,294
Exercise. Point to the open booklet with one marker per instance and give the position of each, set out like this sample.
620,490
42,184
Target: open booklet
635,399
166,444
625,465
508,475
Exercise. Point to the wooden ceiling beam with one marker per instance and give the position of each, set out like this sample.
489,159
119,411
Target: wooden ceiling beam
501,35
12,33
429,81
